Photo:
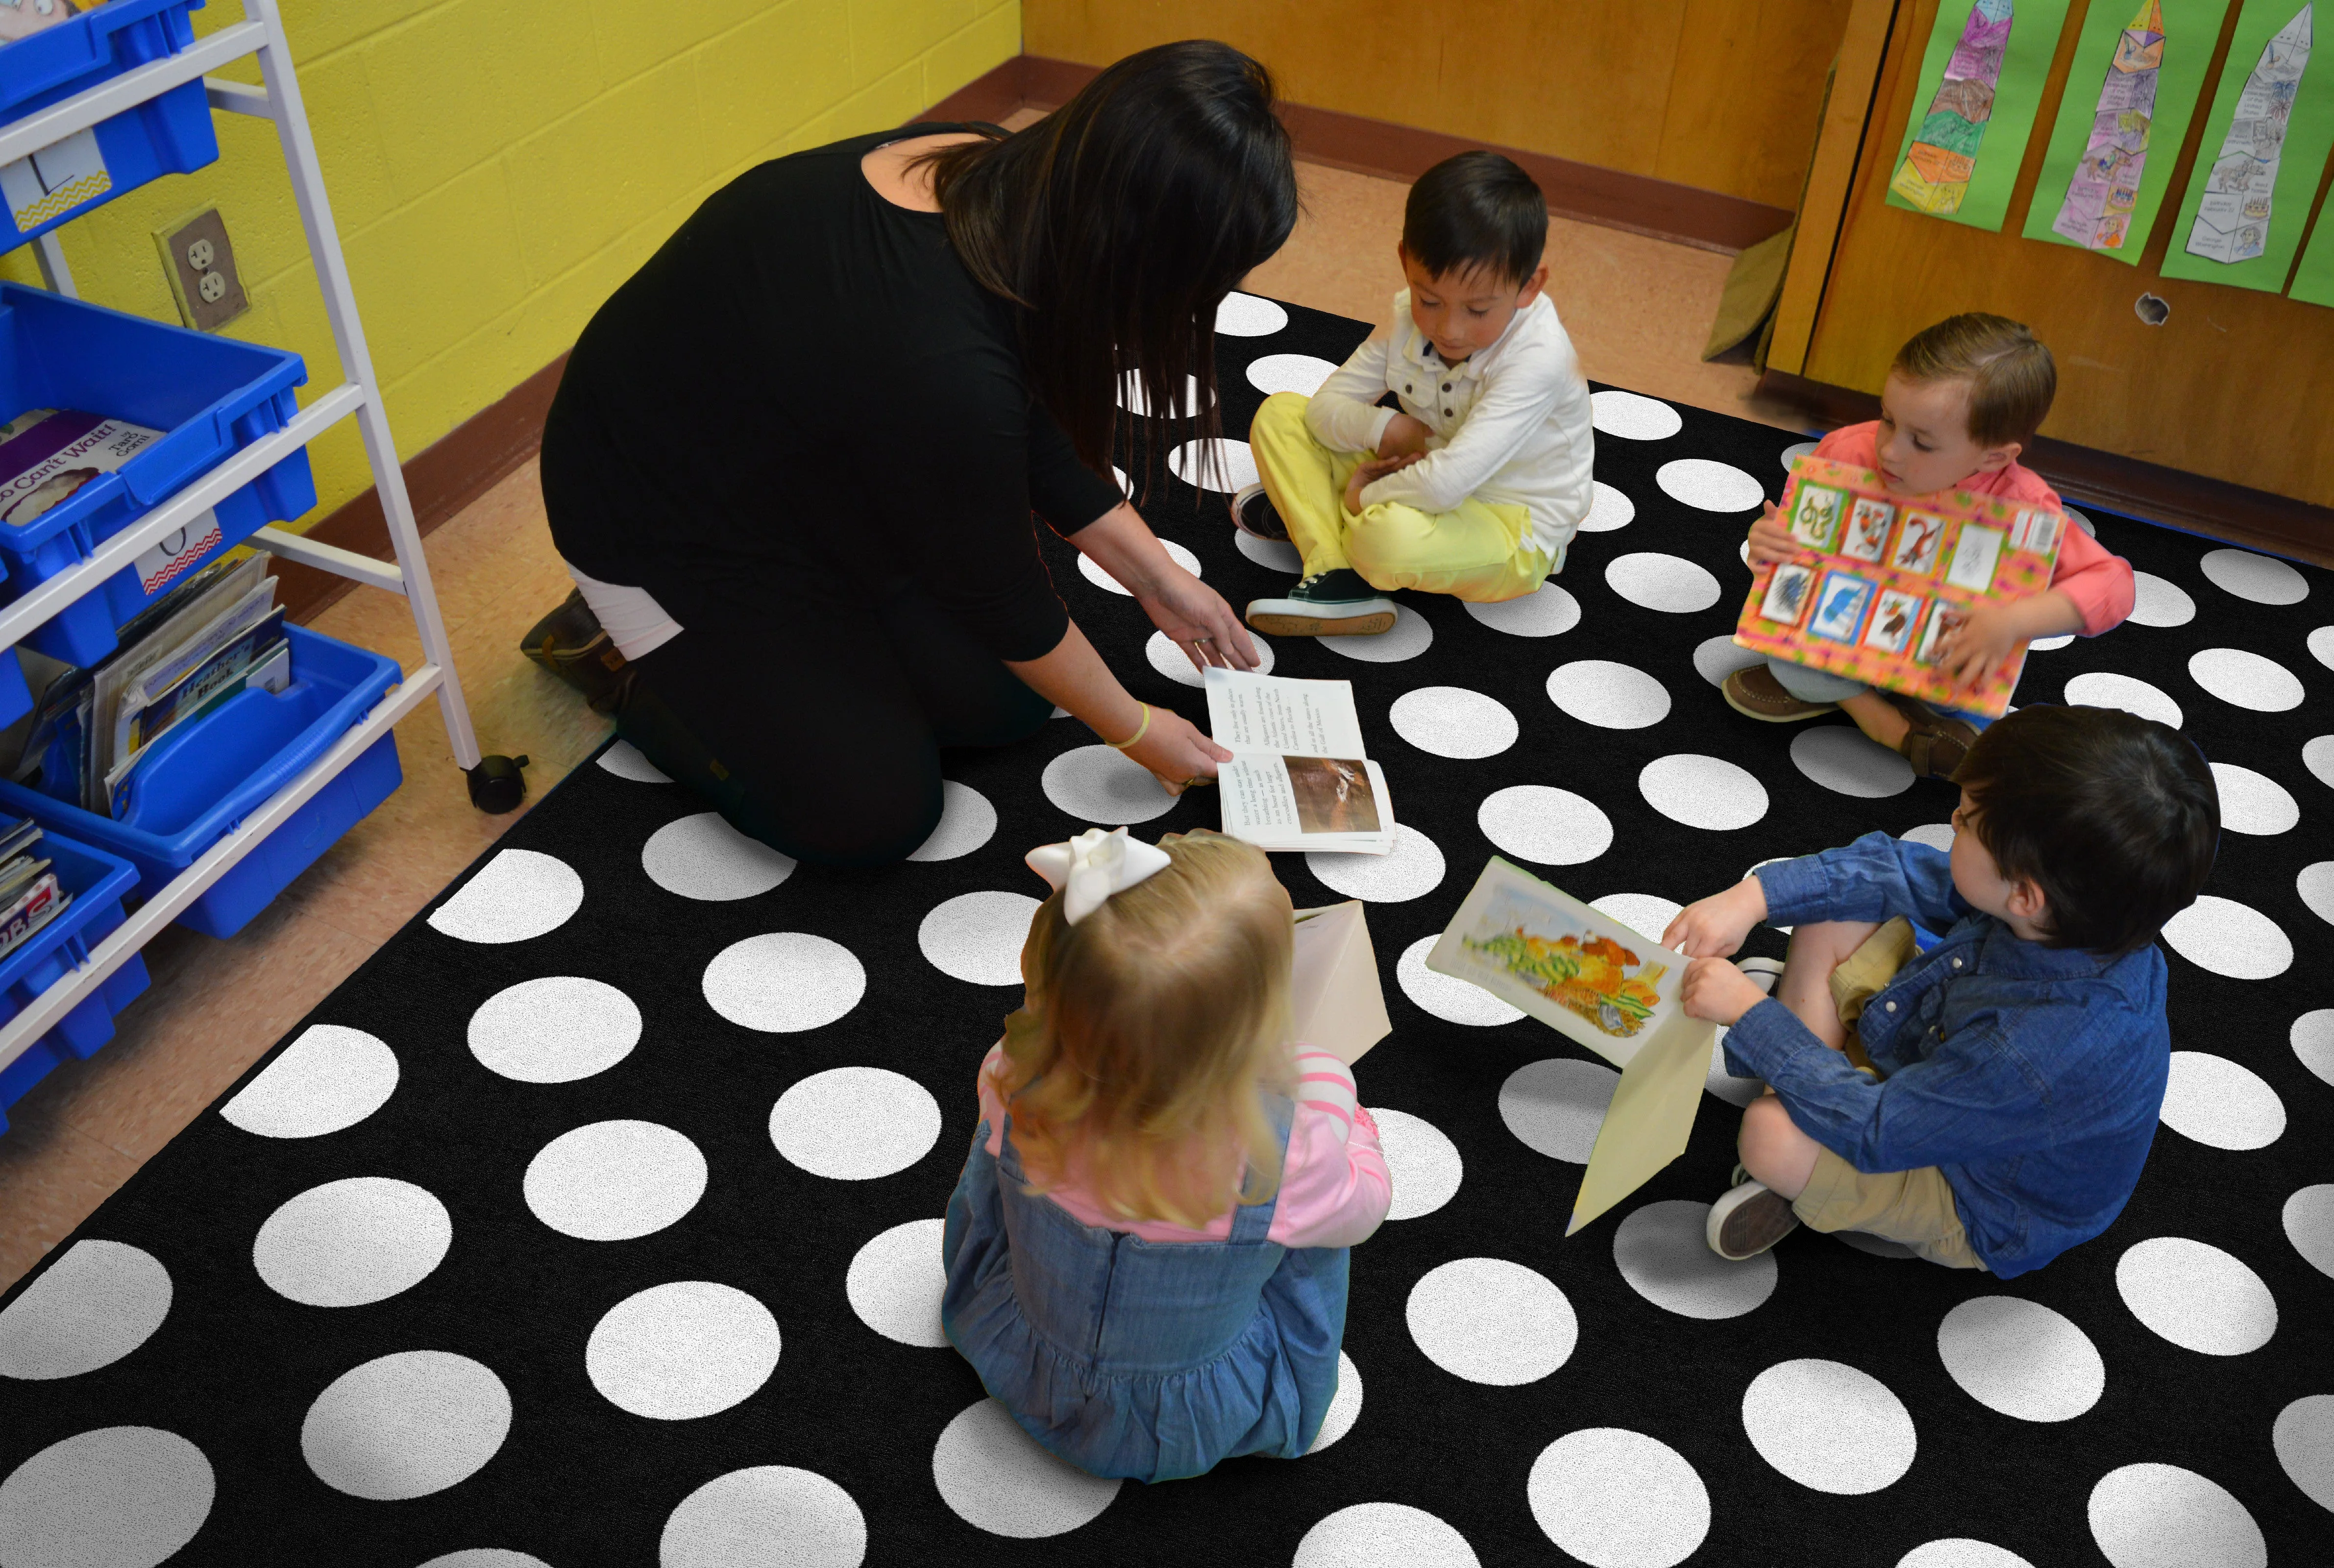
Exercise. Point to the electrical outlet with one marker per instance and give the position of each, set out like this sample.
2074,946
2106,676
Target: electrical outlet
200,261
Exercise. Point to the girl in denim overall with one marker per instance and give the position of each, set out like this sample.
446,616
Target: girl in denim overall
1147,1252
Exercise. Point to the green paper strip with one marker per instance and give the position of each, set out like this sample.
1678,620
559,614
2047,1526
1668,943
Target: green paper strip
2314,283
2008,118
2191,30
2308,137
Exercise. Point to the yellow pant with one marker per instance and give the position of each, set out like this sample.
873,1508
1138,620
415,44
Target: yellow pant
1478,550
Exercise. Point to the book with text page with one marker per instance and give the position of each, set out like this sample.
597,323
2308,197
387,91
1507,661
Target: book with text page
1297,779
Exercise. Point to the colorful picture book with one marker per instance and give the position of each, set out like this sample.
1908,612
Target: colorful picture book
1298,778
1886,579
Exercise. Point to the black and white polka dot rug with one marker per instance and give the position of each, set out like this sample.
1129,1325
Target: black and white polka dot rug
596,1220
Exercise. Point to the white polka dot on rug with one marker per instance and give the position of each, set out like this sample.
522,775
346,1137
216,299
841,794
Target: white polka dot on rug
1961,1552
1300,373
1101,784
2260,578
1383,1536
784,982
2162,1516
2309,1219
2316,885
1846,761
855,1123
1716,658
995,1478
2317,757
1414,870
1448,998
967,821
406,1425
2229,938
1829,1427
2050,644
615,1180
1222,464
1555,1106
1633,417
1134,400
1424,1165
518,895
978,937
1547,611
1246,315
1709,485
2312,1039
1170,660
1345,1405
896,1281
115,1498
555,1030
1613,1499
1104,580
1791,454
1647,914
765,1516
2197,1296
1934,835
2220,1103
353,1242
1490,1321
329,1077
1546,825
1272,554
1608,509
2321,646
1702,792
2246,681
2253,803
1607,694
702,856
1453,721
1664,1254
2101,689
1653,579
682,1351
624,759
2159,602
99,1300
2081,520
2303,1438
486,1557
1410,635
2021,1359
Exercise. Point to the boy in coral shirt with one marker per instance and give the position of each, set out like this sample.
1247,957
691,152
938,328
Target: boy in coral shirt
1961,401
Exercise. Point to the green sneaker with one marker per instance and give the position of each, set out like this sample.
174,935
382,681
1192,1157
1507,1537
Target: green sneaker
1326,604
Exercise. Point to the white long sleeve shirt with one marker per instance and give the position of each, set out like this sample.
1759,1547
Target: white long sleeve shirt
1511,424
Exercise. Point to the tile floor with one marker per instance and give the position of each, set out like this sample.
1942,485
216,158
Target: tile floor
1637,309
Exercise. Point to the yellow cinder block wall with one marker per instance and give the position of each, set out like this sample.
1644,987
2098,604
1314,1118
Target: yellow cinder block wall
496,167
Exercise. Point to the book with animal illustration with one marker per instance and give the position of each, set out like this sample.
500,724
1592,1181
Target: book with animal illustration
1596,981
1883,580
1297,779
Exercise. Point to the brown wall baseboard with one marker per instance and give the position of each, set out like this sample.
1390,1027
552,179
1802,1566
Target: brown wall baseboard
2148,491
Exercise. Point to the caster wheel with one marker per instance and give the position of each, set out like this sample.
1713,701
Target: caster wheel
497,785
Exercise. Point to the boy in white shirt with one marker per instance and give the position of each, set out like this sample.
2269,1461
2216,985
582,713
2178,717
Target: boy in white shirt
1476,486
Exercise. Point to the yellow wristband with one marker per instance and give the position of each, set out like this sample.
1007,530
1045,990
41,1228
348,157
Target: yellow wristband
1143,729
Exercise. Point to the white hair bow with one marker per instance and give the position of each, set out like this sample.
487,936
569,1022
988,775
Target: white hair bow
1093,865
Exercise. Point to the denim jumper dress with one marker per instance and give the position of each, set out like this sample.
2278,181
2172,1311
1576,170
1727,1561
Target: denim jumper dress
1135,1358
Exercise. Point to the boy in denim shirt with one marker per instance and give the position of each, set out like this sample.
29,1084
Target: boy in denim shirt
1988,1102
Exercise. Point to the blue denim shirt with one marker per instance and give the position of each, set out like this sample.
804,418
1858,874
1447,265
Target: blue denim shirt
2031,1076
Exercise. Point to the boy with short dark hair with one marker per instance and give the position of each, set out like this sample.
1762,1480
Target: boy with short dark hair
1474,486
1962,403
1988,1102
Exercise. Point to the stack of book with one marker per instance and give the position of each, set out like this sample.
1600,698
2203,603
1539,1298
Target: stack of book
218,633
29,895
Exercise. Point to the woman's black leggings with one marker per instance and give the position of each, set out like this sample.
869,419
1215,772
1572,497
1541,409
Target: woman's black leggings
814,720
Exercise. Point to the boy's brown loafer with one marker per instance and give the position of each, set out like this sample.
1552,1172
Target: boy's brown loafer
1934,745
1755,692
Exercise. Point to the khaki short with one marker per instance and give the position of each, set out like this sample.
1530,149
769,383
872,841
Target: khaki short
1912,1207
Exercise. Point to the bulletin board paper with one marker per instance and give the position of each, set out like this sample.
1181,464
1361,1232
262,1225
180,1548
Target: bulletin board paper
1883,579
1974,107
2313,280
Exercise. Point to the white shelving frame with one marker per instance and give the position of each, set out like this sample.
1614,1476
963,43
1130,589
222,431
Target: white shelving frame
260,33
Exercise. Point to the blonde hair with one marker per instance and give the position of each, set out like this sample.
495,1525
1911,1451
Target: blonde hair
1149,1031
2012,376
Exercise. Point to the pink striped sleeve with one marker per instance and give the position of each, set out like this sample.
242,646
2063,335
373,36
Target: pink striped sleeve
1335,1187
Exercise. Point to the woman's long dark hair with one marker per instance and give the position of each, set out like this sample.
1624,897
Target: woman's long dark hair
1120,221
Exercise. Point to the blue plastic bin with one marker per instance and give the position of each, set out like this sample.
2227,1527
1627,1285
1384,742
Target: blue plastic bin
169,134
211,396
97,883
206,776
15,696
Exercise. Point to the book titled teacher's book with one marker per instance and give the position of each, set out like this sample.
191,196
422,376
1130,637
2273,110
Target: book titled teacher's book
1297,779
1884,580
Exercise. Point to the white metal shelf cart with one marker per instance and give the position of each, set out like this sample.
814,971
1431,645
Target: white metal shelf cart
496,784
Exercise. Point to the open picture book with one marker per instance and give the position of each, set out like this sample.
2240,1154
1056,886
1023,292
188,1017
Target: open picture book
1596,982
1297,779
